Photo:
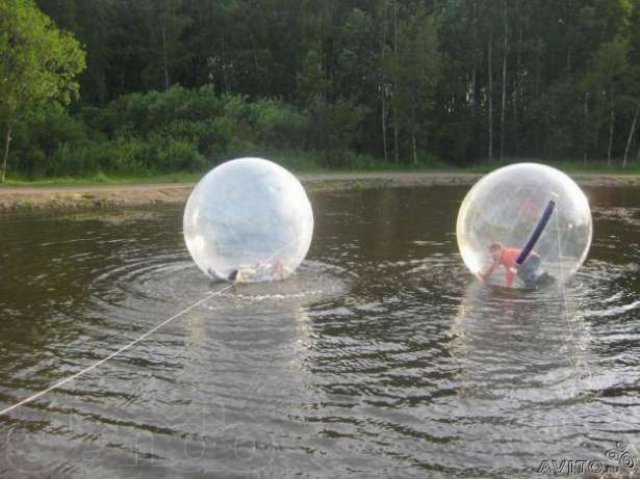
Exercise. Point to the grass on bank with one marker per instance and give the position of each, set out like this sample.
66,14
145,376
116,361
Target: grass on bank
102,179
310,168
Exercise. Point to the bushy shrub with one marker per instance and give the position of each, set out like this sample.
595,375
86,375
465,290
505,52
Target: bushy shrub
172,155
121,156
38,137
279,125
186,130
333,129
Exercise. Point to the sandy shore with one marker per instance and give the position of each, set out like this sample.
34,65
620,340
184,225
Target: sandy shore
21,198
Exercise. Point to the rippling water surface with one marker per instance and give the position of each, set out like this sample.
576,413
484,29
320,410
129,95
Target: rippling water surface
382,356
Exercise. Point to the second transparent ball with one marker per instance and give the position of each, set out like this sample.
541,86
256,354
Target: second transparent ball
508,204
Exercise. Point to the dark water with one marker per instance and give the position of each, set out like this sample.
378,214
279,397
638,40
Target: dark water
381,357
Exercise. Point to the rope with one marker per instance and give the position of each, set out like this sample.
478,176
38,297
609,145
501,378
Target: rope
564,294
95,365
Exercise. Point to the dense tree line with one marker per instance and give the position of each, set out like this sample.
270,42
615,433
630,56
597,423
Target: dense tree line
401,81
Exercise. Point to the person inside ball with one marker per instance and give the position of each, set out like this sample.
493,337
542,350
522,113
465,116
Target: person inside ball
529,272
259,272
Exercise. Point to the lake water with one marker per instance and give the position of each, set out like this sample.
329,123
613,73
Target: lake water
382,356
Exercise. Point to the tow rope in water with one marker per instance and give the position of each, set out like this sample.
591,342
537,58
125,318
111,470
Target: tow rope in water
93,366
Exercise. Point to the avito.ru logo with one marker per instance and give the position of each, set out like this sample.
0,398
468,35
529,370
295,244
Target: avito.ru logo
620,455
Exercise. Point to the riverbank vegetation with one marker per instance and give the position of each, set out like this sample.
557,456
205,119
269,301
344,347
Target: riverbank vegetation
179,85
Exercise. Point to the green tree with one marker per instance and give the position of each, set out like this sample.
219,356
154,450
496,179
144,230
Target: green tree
312,84
166,50
415,71
38,64
606,78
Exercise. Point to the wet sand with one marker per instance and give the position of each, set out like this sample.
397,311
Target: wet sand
26,198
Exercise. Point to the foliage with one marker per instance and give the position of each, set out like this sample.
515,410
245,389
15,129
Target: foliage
183,84
155,133
38,64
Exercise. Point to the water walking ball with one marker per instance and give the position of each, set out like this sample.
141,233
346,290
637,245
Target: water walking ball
534,216
248,220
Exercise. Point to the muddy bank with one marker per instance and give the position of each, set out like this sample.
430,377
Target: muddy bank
25,198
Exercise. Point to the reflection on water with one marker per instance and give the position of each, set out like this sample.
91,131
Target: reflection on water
519,343
382,356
